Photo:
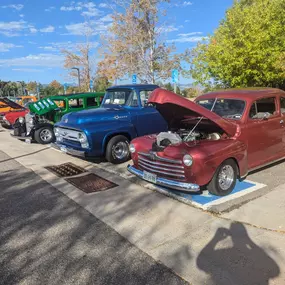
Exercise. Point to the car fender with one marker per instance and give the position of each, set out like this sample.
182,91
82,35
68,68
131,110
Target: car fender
40,125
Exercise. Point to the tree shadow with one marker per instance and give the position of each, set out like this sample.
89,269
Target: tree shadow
46,238
241,263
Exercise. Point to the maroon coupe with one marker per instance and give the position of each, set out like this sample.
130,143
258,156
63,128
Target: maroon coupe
213,141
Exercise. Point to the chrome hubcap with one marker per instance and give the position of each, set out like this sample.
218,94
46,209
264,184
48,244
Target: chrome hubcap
45,135
120,150
226,177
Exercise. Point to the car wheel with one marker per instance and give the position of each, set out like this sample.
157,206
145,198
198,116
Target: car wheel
44,135
224,179
117,150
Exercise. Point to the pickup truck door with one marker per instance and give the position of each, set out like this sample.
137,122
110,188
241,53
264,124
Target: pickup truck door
147,119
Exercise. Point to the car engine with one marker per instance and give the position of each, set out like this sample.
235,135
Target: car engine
165,139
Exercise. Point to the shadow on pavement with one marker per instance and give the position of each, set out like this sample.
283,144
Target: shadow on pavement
46,238
242,263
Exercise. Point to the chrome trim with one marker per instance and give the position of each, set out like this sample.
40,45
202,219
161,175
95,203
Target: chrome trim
68,134
69,150
180,186
160,164
161,168
162,172
155,156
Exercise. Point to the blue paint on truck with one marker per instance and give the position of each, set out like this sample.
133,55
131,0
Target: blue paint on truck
123,112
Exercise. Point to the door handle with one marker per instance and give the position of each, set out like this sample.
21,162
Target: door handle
282,122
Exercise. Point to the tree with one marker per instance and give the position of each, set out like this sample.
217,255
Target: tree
81,59
135,43
32,87
48,91
246,49
55,84
101,83
192,92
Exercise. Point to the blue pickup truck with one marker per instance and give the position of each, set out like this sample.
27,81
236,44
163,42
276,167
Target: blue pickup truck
107,131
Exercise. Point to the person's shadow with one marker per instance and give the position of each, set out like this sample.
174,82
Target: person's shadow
241,263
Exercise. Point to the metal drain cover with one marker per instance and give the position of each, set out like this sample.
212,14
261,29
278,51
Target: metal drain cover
66,169
91,183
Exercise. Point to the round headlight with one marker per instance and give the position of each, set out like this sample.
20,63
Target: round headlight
56,132
21,120
82,137
132,148
187,160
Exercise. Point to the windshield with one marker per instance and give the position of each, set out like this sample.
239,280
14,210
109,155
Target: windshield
121,98
226,108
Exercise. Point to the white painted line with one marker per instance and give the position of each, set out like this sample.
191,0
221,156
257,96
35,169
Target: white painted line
239,194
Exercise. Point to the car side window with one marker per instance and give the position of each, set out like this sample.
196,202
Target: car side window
133,99
282,105
75,103
91,102
263,108
144,95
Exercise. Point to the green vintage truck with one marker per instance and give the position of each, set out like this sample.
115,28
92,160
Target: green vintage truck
38,123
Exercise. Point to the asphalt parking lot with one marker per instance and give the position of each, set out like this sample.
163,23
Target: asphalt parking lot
231,247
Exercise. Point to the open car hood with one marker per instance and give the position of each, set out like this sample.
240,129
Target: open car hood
172,106
42,106
5,102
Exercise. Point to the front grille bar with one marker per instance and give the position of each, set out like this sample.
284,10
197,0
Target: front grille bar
162,172
161,168
160,163
154,154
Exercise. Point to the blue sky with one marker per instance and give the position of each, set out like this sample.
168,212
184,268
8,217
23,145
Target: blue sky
32,32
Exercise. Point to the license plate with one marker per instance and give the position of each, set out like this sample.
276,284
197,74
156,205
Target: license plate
63,149
149,177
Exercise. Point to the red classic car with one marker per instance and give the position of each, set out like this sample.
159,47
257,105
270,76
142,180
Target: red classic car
213,141
8,119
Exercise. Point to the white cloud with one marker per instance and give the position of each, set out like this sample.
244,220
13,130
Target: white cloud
107,18
190,34
22,15
49,9
48,29
103,5
188,38
42,59
187,21
27,70
91,27
187,3
5,47
17,7
33,30
92,12
11,29
70,8
69,45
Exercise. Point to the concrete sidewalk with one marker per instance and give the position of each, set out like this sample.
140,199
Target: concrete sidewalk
200,247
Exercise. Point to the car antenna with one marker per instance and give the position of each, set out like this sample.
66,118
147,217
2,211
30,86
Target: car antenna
193,129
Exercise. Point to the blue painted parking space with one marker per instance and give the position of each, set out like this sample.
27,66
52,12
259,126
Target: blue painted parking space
205,200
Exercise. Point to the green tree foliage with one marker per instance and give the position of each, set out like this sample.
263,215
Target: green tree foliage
247,49
101,83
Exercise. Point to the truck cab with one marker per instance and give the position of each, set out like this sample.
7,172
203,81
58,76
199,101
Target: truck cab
107,131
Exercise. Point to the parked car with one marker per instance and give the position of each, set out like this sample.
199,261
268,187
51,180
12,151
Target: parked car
10,118
38,123
211,142
23,100
6,107
107,131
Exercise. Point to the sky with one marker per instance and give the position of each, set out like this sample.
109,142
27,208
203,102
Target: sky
32,32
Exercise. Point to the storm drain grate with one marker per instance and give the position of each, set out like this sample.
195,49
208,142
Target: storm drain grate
91,183
66,169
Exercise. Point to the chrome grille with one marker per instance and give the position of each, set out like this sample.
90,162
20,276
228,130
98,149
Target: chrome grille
159,165
68,135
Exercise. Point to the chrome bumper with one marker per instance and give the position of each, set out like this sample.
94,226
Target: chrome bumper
176,185
68,150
